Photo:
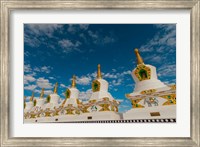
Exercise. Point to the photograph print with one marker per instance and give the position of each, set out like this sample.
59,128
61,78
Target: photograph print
99,73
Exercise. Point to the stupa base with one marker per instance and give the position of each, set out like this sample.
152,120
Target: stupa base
151,112
93,116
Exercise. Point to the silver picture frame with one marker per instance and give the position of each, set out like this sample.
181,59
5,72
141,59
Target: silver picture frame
7,6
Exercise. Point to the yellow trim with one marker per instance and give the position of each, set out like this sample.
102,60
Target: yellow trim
99,85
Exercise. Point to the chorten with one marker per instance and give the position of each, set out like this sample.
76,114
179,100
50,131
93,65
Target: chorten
52,103
71,102
101,105
38,105
29,105
151,98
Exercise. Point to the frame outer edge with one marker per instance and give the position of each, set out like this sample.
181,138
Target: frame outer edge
4,74
195,80
4,83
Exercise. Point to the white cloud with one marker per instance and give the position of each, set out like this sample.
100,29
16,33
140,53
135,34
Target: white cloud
27,68
164,40
28,78
37,34
52,78
45,69
83,80
109,75
62,85
44,83
119,100
43,29
46,92
73,28
116,82
99,39
69,46
167,70
30,87
85,95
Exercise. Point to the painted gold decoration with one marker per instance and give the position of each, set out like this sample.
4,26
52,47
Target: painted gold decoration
69,111
116,108
99,76
42,93
32,115
149,91
135,103
139,58
78,101
56,111
77,112
48,112
105,99
84,110
173,87
171,99
142,72
73,81
92,101
55,88
105,107
95,85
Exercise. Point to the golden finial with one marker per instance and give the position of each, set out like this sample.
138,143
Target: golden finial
55,88
74,81
31,98
42,93
99,76
139,58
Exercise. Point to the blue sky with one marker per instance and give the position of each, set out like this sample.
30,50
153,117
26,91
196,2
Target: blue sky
54,52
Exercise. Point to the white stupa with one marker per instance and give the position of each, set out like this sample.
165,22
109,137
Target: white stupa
52,99
28,105
70,106
72,102
101,105
38,105
151,98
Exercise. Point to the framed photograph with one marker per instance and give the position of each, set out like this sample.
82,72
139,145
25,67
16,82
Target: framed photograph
79,73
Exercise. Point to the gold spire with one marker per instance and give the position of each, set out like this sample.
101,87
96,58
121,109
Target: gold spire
73,81
99,76
42,93
31,98
55,88
139,58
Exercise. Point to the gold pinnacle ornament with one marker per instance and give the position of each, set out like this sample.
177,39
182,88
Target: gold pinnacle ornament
99,76
74,81
55,88
139,58
42,93
31,99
